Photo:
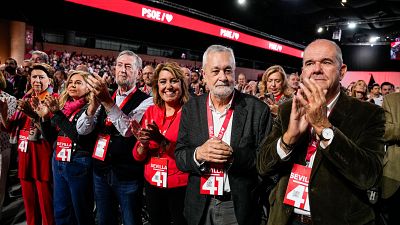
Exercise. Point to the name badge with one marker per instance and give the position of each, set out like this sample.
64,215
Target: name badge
159,171
100,149
63,149
212,182
23,141
297,189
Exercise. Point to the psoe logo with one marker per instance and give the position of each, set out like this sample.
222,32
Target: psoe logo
157,15
275,47
229,34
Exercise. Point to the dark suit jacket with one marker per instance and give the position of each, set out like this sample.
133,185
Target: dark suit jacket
391,169
251,121
341,173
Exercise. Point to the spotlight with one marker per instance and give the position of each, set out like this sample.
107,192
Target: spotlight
242,2
351,25
373,39
320,29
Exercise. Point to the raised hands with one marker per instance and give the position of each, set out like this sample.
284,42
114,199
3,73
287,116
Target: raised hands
98,86
150,133
314,104
24,106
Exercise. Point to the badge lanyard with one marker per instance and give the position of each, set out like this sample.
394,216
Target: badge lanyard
123,103
212,182
211,123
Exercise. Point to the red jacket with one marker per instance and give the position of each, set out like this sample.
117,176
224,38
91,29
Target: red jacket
176,178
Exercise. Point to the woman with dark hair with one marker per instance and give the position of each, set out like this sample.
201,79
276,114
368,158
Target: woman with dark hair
34,152
72,162
166,185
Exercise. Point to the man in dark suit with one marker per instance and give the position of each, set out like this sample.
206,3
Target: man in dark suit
326,147
218,137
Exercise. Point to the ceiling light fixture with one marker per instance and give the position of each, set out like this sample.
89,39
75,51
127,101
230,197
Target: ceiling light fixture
344,1
242,2
352,25
373,39
320,29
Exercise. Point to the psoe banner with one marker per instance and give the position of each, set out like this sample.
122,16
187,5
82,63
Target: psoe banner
162,16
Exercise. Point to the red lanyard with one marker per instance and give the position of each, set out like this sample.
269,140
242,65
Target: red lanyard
126,99
211,123
163,131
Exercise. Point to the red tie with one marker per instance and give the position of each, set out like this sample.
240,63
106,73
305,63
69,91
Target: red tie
312,146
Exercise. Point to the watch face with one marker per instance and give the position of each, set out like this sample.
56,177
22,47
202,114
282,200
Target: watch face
327,133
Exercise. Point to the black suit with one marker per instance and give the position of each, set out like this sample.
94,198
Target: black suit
251,121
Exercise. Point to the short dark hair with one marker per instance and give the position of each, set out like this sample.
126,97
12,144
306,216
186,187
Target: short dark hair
386,83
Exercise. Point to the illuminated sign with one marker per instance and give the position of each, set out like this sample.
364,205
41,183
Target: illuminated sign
158,15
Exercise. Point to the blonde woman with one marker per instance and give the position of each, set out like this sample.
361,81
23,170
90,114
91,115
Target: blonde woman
274,88
72,162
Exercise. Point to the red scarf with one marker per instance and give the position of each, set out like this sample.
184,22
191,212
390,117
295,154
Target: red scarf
71,106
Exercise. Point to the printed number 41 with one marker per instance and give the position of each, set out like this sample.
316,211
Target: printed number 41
160,178
210,185
297,194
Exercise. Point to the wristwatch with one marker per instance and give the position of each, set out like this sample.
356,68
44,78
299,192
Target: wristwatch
327,134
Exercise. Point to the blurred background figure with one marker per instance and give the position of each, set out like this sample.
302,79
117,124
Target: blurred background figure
251,88
274,89
147,75
360,90
294,81
8,104
387,88
241,82
39,57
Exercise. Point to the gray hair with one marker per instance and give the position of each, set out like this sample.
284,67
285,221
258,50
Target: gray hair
339,55
218,48
138,60
42,55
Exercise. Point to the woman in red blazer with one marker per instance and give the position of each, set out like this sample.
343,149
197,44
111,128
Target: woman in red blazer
34,152
165,185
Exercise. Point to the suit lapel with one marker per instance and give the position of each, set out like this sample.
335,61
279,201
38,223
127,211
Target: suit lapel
203,117
239,119
336,118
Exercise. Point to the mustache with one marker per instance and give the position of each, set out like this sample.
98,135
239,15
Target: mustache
220,83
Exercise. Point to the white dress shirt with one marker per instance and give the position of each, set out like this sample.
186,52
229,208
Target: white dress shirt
86,124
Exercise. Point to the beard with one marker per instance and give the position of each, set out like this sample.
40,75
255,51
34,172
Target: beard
222,92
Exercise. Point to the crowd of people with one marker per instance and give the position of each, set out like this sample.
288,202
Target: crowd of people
98,138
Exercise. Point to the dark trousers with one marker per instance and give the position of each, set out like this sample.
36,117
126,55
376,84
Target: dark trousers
390,209
165,205
111,192
220,213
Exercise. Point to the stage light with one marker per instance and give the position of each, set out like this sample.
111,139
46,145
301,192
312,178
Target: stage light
352,25
373,39
320,29
242,2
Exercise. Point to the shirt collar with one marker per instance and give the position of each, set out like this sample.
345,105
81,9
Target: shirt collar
333,102
211,105
126,93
